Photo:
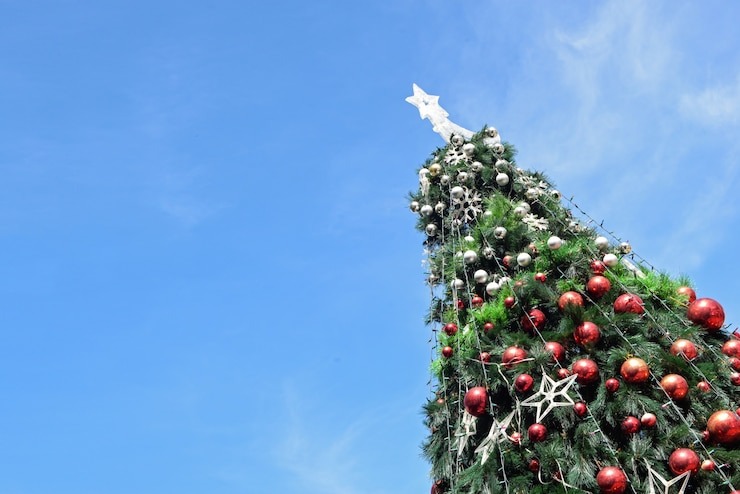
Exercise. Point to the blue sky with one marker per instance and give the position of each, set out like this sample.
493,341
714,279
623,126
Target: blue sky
211,281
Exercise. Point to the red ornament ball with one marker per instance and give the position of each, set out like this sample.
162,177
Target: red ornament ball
648,420
509,302
563,373
447,352
476,401
580,408
587,370
598,286
485,357
534,319
735,378
507,261
512,356
597,267
628,303
541,277
635,370
688,292
460,304
450,328
707,313
612,385
515,438
611,480
534,465
675,386
438,487
587,334
523,383
570,298
537,433
683,460
731,348
708,465
703,386
724,427
631,425
684,347
488,327
735,363
556,349
476,301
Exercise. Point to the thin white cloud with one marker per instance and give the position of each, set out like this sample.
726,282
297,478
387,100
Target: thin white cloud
716,105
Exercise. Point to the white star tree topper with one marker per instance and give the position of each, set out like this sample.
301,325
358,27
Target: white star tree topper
429,108
550,391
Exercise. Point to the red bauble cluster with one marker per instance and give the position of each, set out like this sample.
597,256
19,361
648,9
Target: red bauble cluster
476,401
580,408
485,357
587,334
684,347
509,302
488,327
707,313
476,301
570,298
724,427
541,277
587,371
675,386
611,480
532,320
683,460
447,352
635,371
598,286
512,356
629,303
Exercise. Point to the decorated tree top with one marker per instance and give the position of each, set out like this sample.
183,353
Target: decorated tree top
563,361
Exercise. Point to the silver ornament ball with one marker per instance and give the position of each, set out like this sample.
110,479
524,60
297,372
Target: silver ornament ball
462,177
427,210
492,288
502,179
439,207
611,260
431,229
499,232
524,259
457,140
414,206
488,253
444,179
457,192
457,284
470,256
476,166
625,248
480,276
491,132
601,243
469,149
554,242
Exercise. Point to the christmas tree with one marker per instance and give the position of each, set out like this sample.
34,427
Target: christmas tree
563,361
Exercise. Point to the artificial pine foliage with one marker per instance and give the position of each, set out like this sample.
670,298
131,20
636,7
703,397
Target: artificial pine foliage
659,374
